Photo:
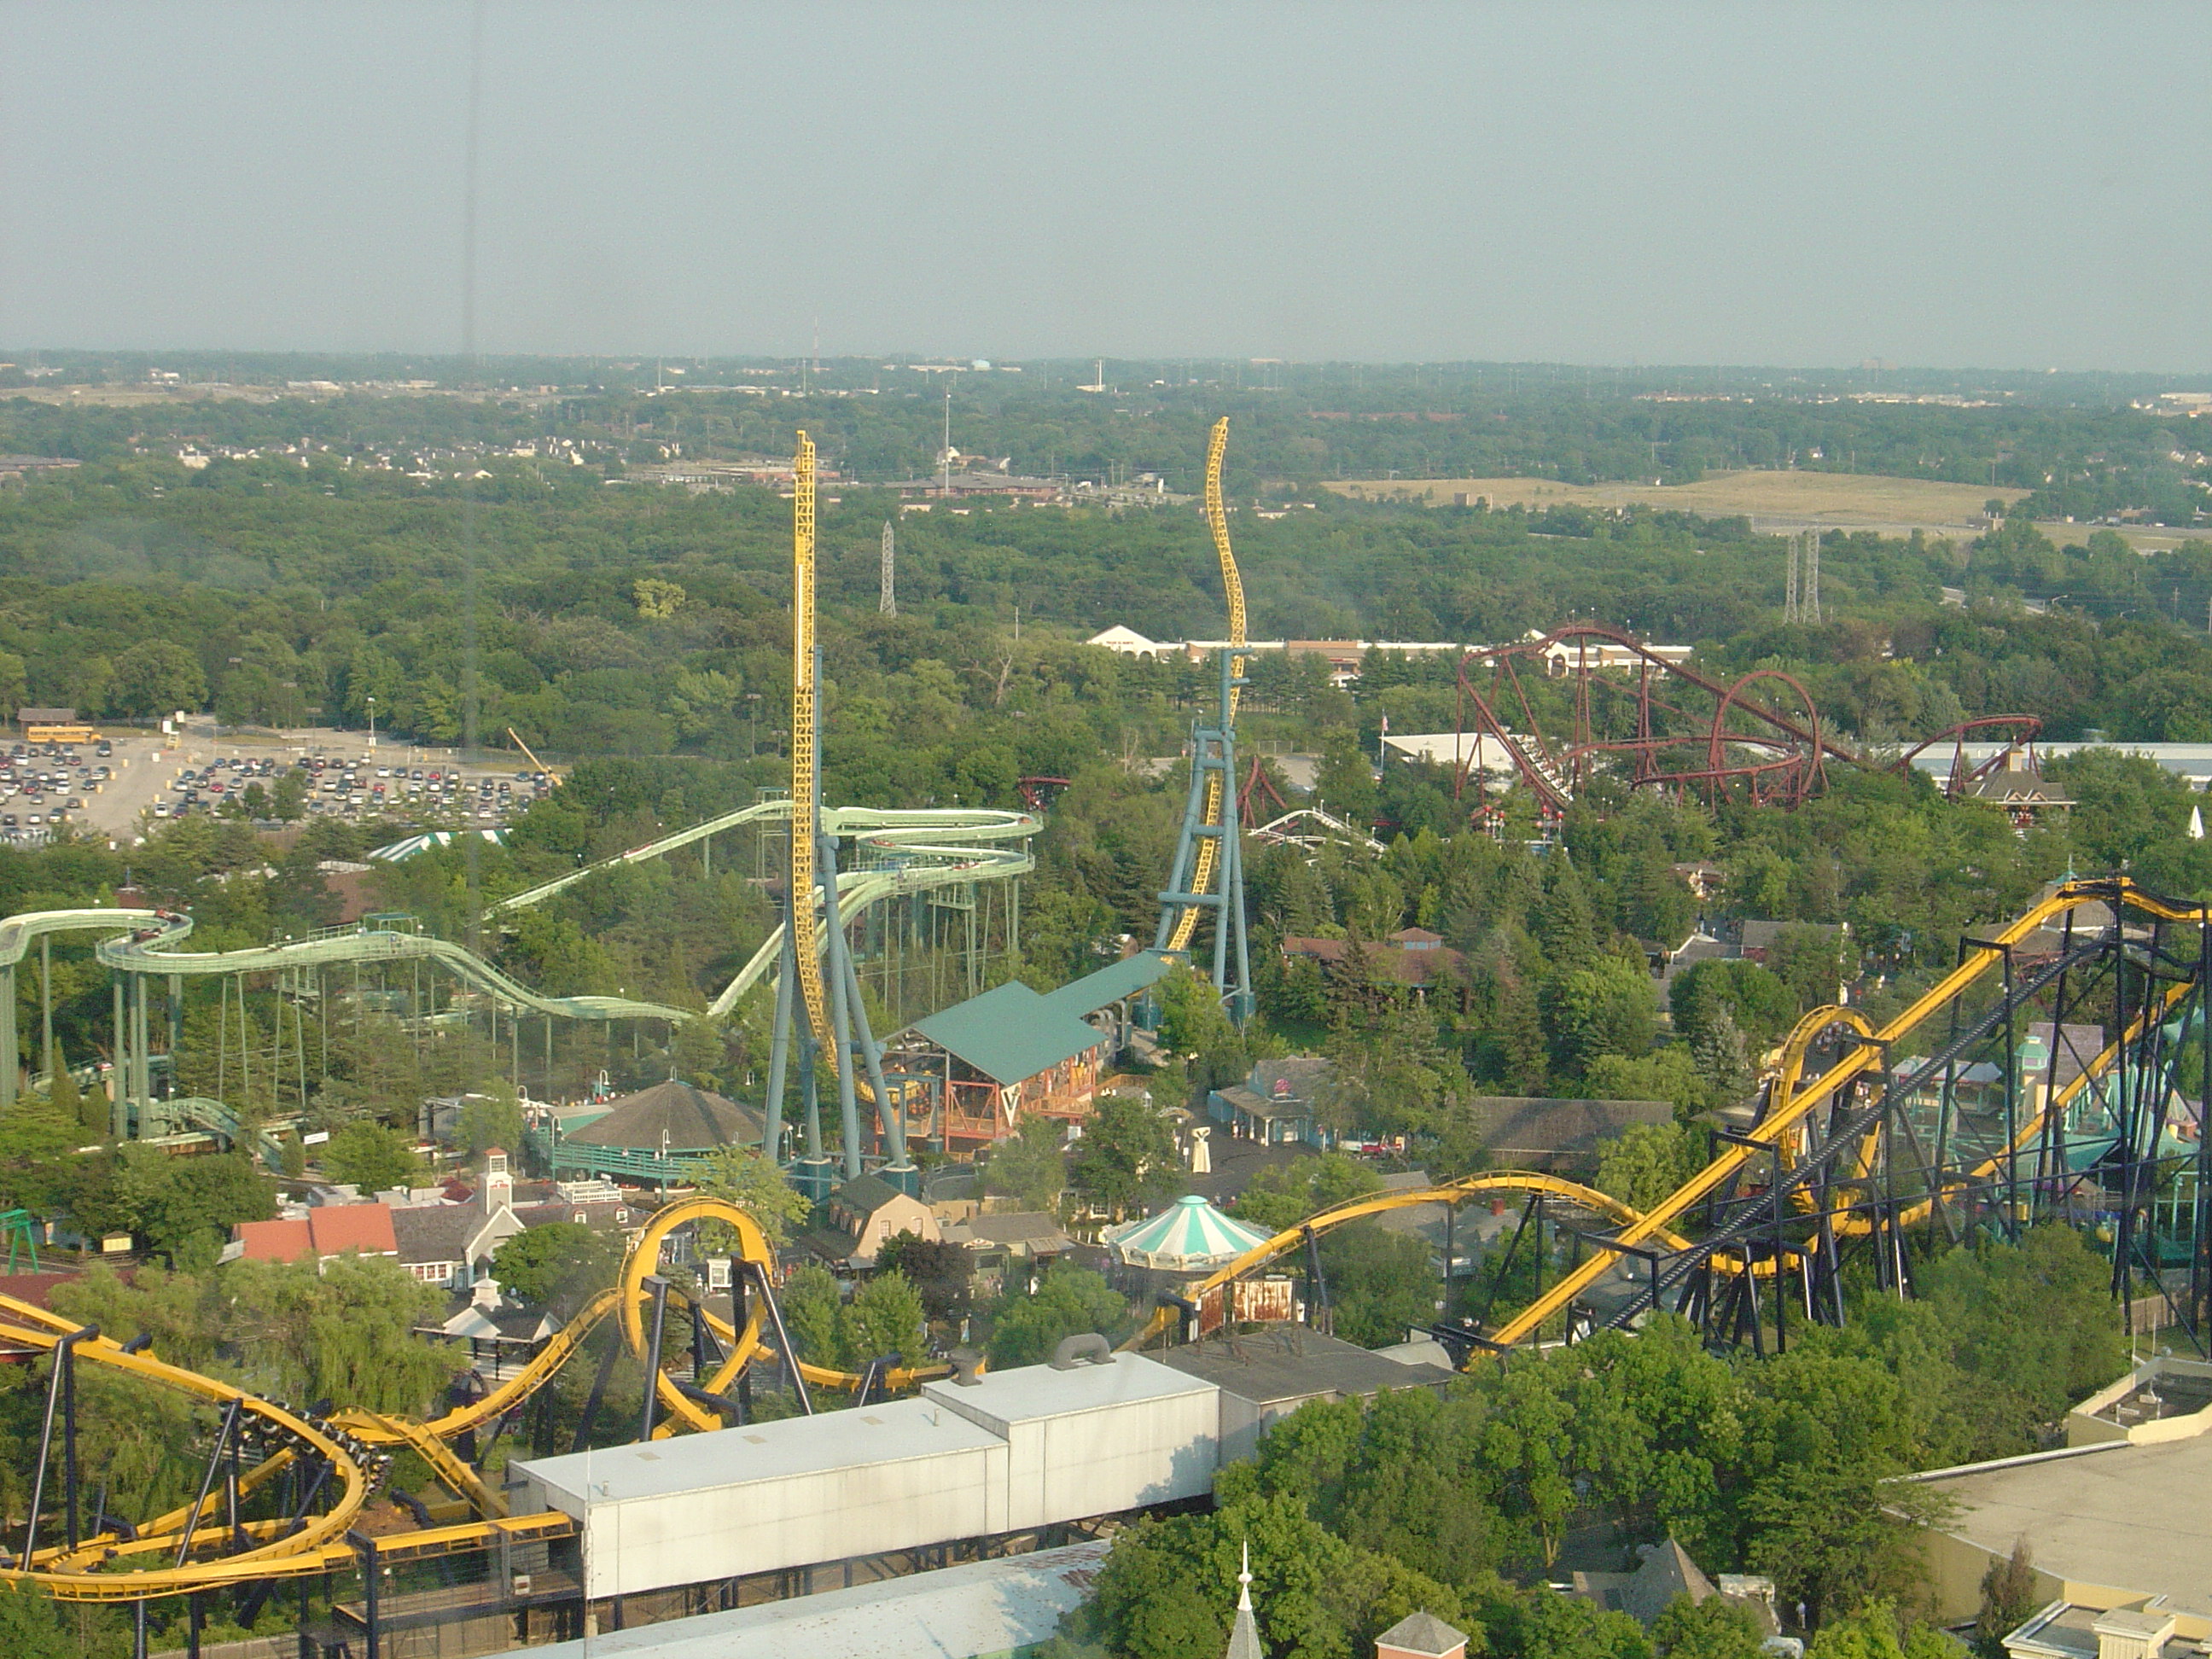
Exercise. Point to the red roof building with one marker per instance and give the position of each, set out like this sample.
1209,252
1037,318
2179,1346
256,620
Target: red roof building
331,1230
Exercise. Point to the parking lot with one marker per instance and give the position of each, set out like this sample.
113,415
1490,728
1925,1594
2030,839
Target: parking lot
45,786
129,782
352,785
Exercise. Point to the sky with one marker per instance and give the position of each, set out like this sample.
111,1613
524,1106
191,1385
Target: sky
2016,186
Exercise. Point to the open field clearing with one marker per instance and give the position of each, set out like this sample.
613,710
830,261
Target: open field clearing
1773,501
1855,500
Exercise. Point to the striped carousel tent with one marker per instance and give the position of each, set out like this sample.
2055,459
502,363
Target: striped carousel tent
1190,1235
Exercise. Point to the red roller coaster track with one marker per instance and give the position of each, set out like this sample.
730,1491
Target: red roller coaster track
2023,729
1787,750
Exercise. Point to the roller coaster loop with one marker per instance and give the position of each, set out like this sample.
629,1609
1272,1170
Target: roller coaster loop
349,1450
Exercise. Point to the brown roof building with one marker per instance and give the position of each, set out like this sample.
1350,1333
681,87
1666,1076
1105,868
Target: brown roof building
1667,1571
1411,955
1524,1133
675,1117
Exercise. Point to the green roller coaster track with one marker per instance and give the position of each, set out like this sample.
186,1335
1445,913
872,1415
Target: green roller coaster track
898,854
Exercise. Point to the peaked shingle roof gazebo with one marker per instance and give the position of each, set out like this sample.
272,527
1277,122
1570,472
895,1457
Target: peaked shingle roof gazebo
1190,1235
657,1133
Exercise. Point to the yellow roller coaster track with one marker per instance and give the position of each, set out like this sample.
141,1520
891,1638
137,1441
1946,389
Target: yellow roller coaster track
1525,1182
1788,1117
1793,1105
100,1568
1232,585
806,945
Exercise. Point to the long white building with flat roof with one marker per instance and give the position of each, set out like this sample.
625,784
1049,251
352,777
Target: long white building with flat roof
1010,1452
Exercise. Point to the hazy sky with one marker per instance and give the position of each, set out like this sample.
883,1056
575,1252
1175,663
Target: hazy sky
2014,185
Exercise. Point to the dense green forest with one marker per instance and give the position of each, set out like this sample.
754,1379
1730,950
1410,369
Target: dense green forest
617,621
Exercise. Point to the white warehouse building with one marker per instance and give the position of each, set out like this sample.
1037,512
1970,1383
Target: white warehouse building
1012,1450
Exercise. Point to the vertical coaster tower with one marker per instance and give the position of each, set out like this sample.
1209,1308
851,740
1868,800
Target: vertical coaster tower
815,954
1208,873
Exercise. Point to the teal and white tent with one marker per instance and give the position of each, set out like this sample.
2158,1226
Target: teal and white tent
1191,1236
399,851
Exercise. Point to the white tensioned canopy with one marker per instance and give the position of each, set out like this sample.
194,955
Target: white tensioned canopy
1190,1235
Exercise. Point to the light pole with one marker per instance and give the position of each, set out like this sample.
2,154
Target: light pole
372,725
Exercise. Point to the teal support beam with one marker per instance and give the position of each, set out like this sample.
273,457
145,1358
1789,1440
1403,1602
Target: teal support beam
46,1006
11,1062
119,1069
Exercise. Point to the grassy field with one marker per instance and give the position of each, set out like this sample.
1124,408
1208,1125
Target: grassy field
1773,500
1844,500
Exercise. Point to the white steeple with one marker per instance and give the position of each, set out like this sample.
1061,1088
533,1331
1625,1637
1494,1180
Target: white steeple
1244,1633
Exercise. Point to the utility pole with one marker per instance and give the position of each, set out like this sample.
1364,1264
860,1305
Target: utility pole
1812,576
1790,589
887,602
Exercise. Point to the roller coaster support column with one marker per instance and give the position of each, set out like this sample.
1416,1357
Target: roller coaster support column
785,1353
1746,1284
779,1053
142,1056
812,1173
849,1016
1232,865
61,1391
840,1026
1210,812
815,1174
10,1067
365,1547
119,1070
658,1286
2198,1237
890,1112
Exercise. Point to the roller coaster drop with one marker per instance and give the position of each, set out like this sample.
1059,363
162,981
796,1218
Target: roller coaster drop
331,1464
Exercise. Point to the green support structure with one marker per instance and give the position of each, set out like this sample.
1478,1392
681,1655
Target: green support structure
23,1233
11,1064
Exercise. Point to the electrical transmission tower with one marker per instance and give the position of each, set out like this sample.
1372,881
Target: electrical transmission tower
888,602
1801,600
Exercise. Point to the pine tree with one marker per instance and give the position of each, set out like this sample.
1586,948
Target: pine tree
70,1102
1566,924
1719,1051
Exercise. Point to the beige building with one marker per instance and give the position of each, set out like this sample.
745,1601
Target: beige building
865,1212
2115,1524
